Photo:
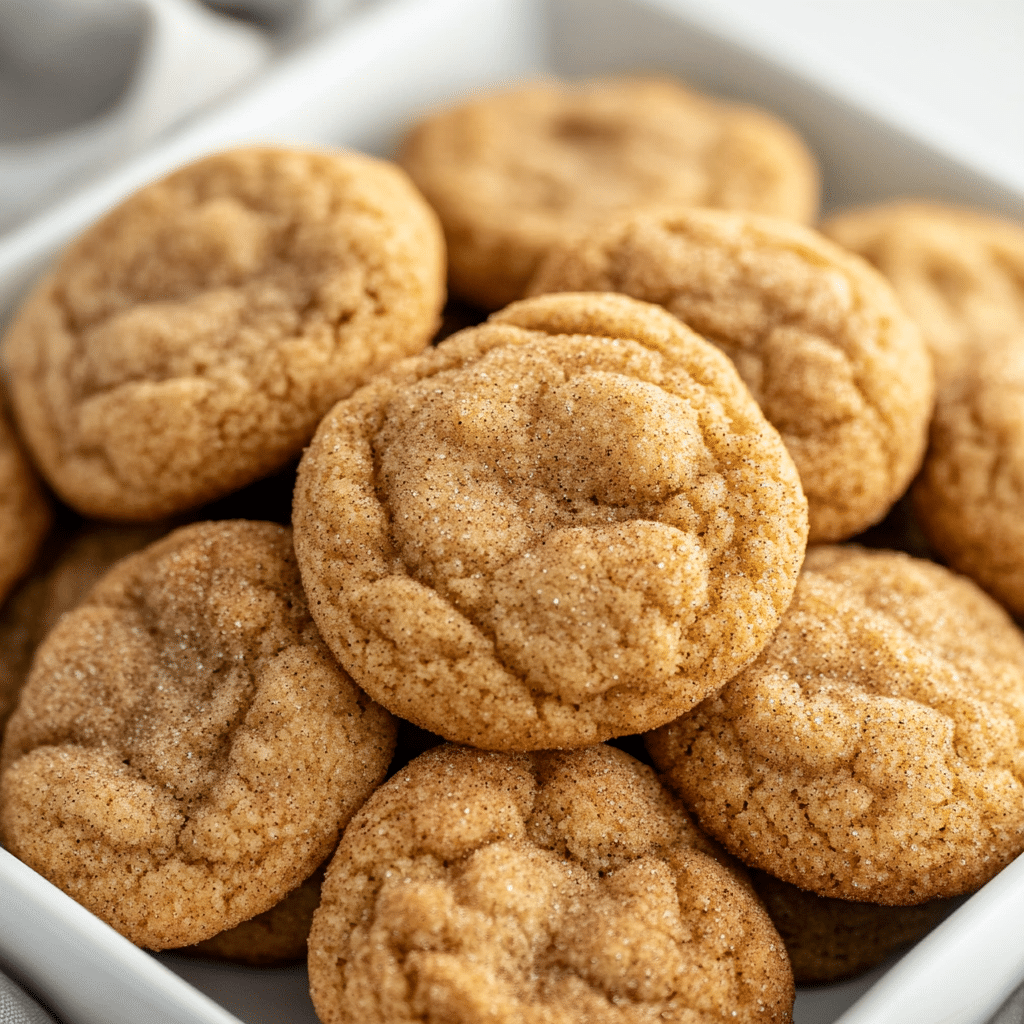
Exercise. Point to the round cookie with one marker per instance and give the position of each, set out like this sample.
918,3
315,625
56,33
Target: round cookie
569,523
874,749
191,340
959,273
25,513
67,571
828,939
817,335
563,888
186,750
275,937
512,172
969,498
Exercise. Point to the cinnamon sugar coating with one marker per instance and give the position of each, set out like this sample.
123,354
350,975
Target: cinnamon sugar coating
61,578
512,172
190,341
874,750
186,750
277,936
25,514
817,335
569,523
552,887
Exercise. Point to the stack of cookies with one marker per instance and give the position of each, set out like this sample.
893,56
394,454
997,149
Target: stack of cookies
583,519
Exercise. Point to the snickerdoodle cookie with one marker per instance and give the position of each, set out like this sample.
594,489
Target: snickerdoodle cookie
569,523
191,340
512,172
829,939
277,936
563,888
875,749
959,273
25,514
969,497
817,335
186,750
64,574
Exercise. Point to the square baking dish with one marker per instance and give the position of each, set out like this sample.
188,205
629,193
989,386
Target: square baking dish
361,86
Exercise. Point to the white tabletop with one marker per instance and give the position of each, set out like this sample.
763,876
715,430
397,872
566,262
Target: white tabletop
953,65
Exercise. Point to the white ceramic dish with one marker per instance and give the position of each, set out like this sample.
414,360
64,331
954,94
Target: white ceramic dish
360,86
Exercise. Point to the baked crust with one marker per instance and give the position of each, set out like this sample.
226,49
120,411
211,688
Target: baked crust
873,751
190,341
512,172
567,524
817,335
564,888
186,751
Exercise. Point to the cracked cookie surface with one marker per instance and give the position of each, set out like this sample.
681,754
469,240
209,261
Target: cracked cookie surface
512,172
553,888
817,335
874,750
186,750
25,513
190,341
567,524
958,273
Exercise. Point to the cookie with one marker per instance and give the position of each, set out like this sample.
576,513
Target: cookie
969,498
873,751
512,172
959,273
829,940
186,750
568,888
569,523
25,514
275,937
191,340
817,335
70,566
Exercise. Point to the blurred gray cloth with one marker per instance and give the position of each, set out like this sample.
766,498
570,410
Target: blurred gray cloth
84,84
16,1007
1012,1011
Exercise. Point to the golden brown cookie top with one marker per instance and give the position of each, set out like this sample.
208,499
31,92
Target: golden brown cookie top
25,513
969,497
191,340
959,273
817,335
186,750
874,749
569,523
512,172
64,574
555,887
